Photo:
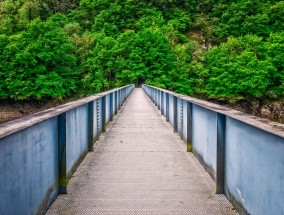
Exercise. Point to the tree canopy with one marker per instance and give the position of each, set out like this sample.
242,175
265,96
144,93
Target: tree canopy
224,50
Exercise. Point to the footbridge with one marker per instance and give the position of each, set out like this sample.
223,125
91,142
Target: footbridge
141,151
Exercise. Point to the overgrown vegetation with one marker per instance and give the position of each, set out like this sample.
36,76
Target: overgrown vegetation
224,50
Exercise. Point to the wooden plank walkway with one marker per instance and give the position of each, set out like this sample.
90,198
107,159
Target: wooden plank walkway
140,167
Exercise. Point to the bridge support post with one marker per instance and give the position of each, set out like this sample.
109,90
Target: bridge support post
103,114
155,97
167,107
115,102
119,99
162,103
123,95
189,127
90,125
221,144
158,99
111,106
62,167
175,113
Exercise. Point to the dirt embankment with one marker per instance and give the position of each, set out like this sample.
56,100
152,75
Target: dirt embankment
10,110
273,111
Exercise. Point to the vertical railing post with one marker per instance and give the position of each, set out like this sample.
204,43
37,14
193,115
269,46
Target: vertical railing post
103,113
221,144
180,121
159,102
115,102
90,125
62,165
154,91
111,106
162,103
119,99
123,93
175,113
96,118
155,97
189,127
167,107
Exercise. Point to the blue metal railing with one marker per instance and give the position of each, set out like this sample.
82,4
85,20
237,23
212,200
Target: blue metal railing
40,152
242,153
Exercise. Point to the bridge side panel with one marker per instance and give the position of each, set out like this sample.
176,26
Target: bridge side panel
76,137
204,133
29,169
254,177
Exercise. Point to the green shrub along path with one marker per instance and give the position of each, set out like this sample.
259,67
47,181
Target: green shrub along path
223,50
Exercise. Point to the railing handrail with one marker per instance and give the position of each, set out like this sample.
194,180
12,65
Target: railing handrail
27,121
261,123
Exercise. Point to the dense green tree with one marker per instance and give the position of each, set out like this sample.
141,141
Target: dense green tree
40,63
100,64
151,58
226,50
257,17
242,69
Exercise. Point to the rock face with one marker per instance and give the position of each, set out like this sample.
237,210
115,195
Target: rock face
273,111
6,116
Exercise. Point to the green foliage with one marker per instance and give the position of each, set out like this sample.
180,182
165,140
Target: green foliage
16,15
39,64
242,68
151,58
131,56
100,64
257,17
226,50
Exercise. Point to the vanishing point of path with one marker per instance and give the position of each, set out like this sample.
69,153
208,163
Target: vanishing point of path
140,166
